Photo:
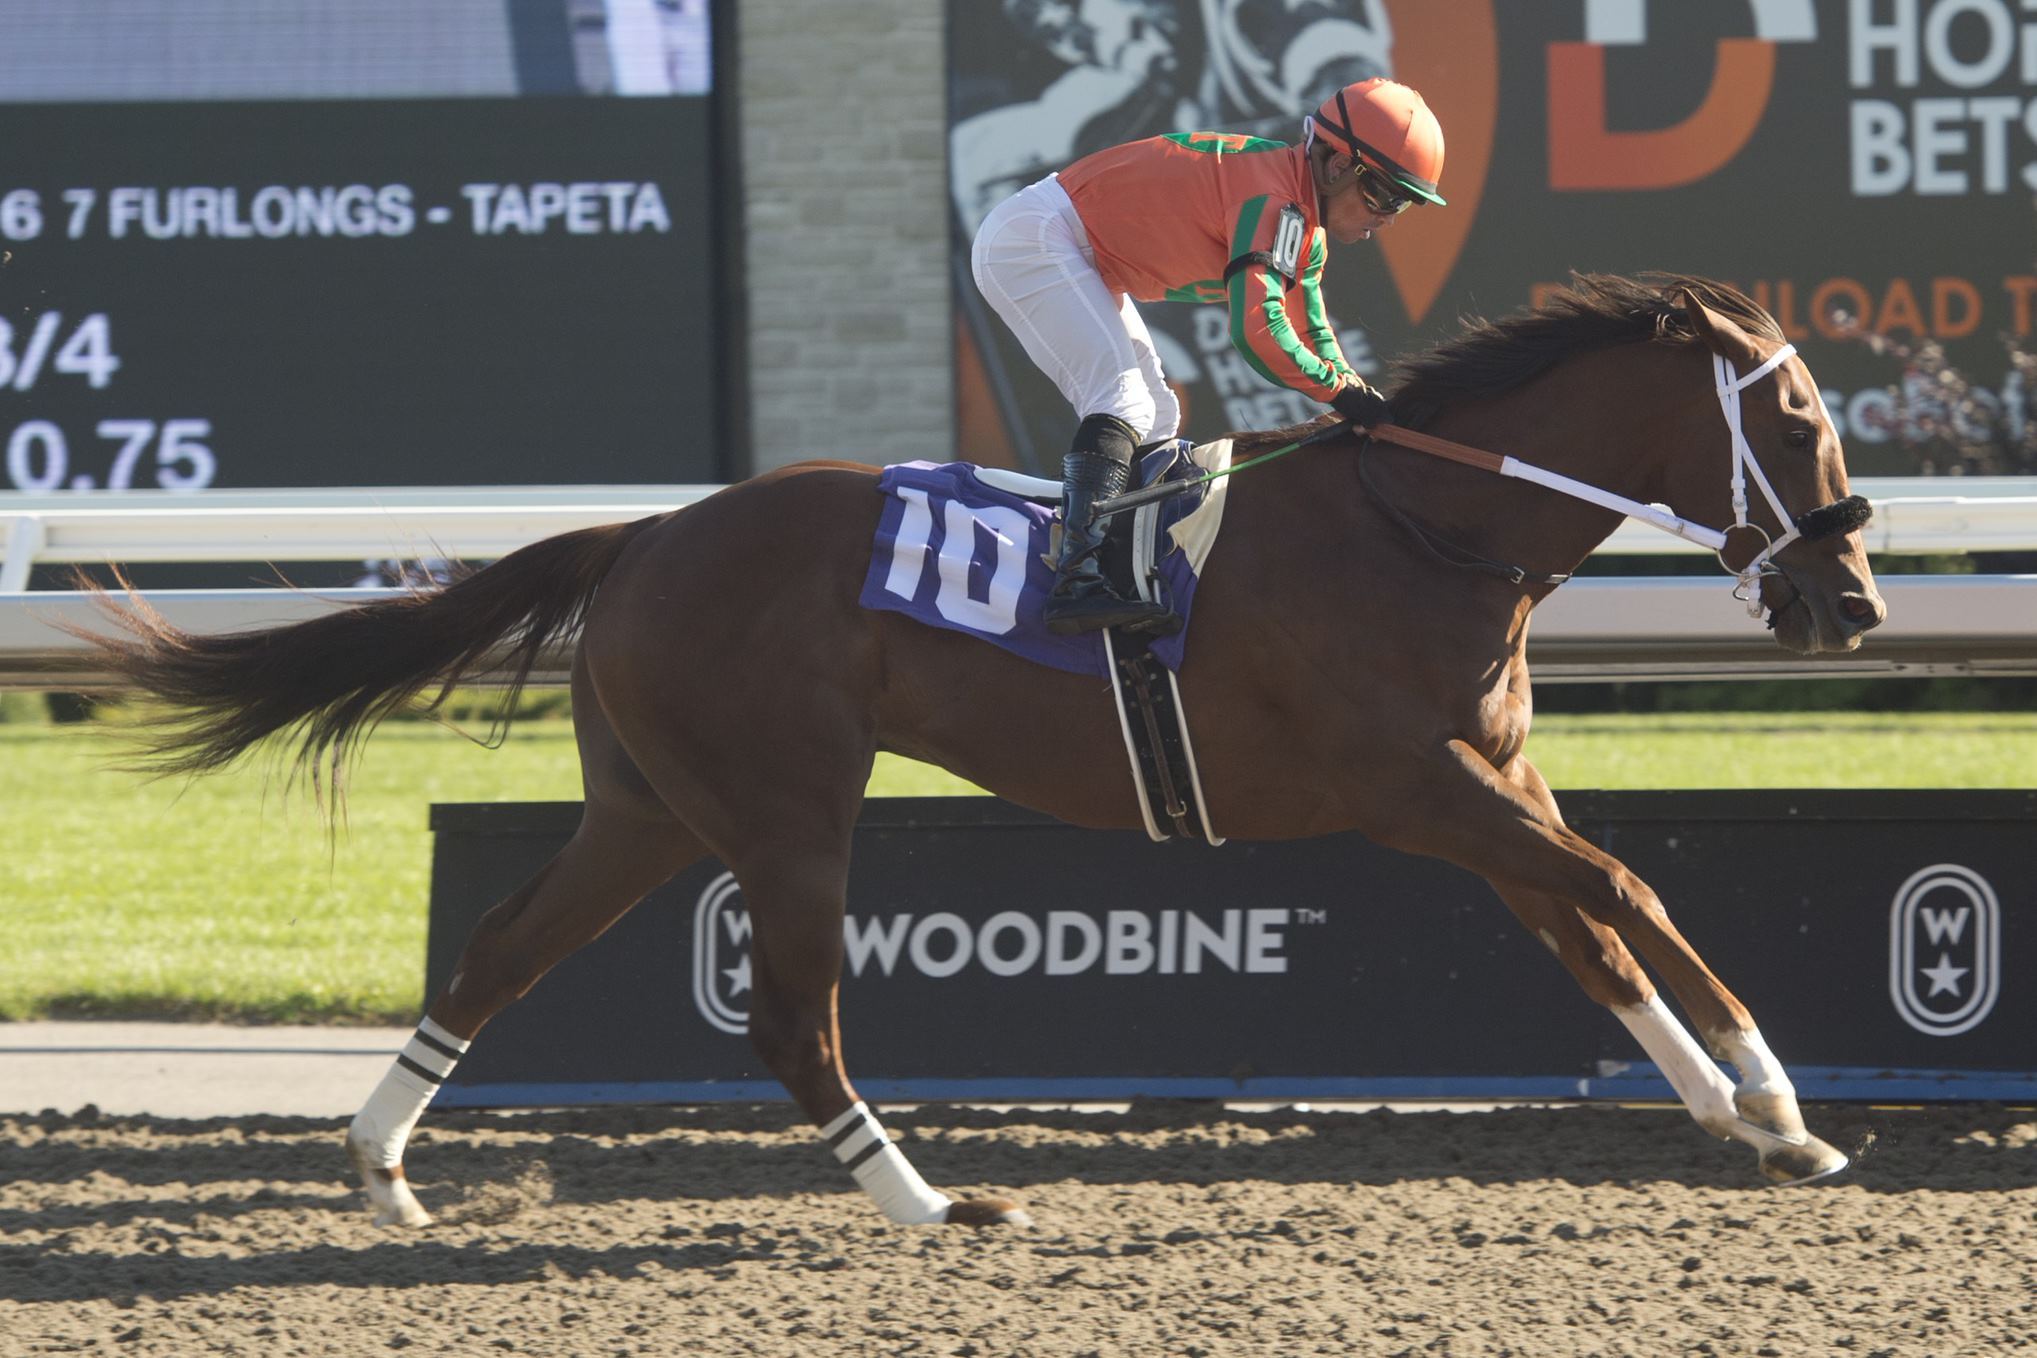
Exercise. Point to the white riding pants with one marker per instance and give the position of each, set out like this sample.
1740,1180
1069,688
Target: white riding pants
1033,263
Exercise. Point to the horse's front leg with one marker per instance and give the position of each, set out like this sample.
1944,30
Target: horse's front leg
1760,1111
1582,902
1765,1099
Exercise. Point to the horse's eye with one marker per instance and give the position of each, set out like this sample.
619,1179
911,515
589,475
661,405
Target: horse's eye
1800,438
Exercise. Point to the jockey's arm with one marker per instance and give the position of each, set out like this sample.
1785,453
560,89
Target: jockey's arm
1321,336
1268,246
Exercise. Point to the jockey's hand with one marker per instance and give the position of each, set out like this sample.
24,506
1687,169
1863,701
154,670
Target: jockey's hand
1362,406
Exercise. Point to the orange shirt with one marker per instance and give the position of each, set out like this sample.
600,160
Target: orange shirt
1218,217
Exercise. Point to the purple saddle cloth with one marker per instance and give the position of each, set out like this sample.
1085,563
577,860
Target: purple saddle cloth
954,551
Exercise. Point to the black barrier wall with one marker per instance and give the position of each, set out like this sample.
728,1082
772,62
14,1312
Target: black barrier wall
1876,937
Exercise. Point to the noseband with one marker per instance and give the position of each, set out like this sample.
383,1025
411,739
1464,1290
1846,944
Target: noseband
1831,520
1840,516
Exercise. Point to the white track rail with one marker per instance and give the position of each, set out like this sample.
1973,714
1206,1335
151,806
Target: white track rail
1912,515
1596,627
310,525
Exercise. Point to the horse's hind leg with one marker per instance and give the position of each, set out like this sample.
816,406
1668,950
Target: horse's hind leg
627,844
770,772
794,888
607,867
1582,902
781,812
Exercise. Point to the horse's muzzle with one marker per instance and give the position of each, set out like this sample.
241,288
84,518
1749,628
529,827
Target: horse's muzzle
1801,625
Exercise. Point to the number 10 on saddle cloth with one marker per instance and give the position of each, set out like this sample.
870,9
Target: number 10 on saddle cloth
966,548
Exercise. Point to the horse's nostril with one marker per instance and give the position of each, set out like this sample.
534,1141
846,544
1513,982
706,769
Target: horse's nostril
1861,611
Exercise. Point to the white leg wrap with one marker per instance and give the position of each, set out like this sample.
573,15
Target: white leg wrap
383,1125
1767,1120
1695,1077
1760,1072
881,1168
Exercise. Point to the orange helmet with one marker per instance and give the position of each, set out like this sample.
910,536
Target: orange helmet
1389,127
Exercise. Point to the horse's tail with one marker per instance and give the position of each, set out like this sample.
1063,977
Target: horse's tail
331,679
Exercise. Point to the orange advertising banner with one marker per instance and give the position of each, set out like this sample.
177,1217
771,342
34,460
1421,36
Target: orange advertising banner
1866,169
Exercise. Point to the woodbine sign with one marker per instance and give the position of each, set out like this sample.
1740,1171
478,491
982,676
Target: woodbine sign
1877,941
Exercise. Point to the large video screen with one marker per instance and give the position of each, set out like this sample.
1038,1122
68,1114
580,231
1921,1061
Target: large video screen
358,243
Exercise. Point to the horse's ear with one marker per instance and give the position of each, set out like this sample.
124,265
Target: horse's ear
1720,333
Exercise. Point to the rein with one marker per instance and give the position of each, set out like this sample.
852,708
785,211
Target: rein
1167,490
1841,516
1444,550
1831,520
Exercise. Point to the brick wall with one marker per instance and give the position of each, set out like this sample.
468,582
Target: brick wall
846,249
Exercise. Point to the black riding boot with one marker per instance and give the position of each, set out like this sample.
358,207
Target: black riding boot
1096,468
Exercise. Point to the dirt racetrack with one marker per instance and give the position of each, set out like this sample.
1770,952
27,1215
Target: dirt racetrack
1173,1229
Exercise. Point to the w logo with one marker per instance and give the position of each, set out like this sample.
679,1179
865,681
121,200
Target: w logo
1945,939
721,956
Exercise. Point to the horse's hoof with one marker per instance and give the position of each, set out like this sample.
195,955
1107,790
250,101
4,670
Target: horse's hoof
987,1212
390,1200
1814,1159
399,1207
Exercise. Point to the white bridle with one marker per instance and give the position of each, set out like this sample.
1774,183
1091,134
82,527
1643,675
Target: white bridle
1729,388
1747,578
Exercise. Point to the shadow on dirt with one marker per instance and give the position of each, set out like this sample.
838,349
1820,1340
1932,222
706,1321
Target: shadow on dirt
105,1177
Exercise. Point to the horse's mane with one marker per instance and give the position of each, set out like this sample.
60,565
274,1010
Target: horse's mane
1596,311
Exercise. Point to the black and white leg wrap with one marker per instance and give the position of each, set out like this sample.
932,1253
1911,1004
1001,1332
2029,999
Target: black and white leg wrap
383,1125
859,1142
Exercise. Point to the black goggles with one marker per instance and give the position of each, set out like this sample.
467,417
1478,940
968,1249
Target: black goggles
1382,195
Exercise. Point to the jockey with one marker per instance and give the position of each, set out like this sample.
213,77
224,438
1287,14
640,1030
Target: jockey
1209,217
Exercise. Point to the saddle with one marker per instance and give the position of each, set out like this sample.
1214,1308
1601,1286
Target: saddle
1132,543
968,549
1150,713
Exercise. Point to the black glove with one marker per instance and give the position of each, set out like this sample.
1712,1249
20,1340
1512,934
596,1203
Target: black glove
1362,406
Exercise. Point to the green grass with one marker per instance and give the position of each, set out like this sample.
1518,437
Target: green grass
1780,749
223,899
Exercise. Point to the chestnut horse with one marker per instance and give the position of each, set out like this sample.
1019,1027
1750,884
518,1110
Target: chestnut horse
729,694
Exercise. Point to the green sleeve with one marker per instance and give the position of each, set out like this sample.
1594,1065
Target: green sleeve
1321,337
1260,328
